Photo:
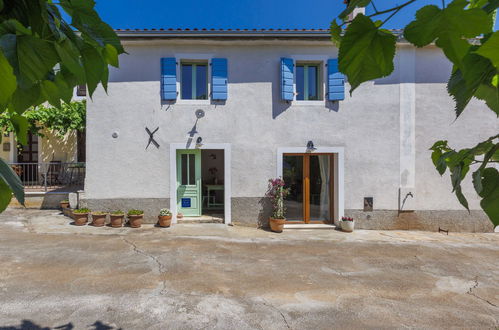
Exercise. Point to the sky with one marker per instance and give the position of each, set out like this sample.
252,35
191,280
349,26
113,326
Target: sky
239,14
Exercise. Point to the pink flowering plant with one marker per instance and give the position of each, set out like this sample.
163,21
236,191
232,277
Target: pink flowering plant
346,219
276,192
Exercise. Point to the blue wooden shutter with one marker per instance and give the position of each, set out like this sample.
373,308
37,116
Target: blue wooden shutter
219,79
168,78
335,81
287,77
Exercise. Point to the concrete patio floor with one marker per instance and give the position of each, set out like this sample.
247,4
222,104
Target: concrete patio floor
54,274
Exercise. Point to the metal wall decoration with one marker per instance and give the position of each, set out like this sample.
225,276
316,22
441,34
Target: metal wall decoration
151,137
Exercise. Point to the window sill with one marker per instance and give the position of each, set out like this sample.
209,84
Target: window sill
313,103
194,102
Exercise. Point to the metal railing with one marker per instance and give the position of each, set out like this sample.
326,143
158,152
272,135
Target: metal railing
50,176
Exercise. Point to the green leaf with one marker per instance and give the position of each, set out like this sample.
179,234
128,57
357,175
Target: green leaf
7,81
335,31
490,49
13,181
366,52
477,181
51,92
448,27
490,194
94,67
111,55
70,56
461,198
22,99
5,195
21,125
490,95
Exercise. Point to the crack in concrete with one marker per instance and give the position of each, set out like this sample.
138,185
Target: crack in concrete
266,303
470,292
160,266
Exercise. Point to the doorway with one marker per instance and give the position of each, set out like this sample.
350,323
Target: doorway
27,156
200,184
310,179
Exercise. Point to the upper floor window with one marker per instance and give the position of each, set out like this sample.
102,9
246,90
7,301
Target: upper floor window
194,80
308,81
81,90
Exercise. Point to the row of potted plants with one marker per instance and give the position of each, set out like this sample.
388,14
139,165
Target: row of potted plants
117,218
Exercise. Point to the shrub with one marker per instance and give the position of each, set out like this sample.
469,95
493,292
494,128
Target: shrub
81,211
135,212
276,192
118,212
99,213
165,212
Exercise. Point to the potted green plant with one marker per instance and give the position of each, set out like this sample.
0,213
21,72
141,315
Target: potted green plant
80,216
135,218
347,224
276,192
64,204
99,218
116,218
164,218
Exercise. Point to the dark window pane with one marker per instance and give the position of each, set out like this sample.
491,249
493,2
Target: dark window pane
313,93
292,168
192,169
183,166
201,82
186,81
300,83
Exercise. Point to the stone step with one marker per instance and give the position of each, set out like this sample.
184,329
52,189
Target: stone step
202,219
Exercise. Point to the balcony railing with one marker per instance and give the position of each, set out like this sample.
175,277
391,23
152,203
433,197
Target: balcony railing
50,176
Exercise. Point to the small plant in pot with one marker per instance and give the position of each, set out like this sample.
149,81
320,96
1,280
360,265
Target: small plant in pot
64,204
276,192
80,216
135,218
347,224
116,218
99,218
164,218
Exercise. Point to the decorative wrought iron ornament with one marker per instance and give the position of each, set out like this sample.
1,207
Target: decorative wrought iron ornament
151,137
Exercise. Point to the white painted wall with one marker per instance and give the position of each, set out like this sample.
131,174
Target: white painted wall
256,123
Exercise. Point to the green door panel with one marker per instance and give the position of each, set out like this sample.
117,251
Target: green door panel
189,182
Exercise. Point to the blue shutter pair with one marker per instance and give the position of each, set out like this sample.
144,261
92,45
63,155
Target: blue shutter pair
219,80
335,83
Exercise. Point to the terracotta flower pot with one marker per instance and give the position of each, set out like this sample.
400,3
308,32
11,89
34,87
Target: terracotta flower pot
116,220
277,225
164,220
135,220
347,226
64,204
98,220
80,218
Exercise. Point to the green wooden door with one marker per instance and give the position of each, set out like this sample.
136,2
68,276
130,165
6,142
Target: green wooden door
189,201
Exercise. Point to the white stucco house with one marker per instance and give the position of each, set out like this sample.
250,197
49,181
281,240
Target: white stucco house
229,109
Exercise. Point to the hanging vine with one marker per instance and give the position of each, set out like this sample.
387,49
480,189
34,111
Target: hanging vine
69,117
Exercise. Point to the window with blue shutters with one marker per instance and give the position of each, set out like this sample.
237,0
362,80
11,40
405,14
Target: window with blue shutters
219,79
168,78
287,77
336,81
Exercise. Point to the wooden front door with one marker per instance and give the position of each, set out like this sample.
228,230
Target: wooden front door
189,201
310,180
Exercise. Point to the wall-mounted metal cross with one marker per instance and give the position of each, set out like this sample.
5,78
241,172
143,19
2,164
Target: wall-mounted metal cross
151,137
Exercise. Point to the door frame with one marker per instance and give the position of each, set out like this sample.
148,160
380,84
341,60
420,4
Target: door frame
226,147
339,176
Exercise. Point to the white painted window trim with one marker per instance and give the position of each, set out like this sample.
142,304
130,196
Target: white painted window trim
188,57
316,58
339,202
226,147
